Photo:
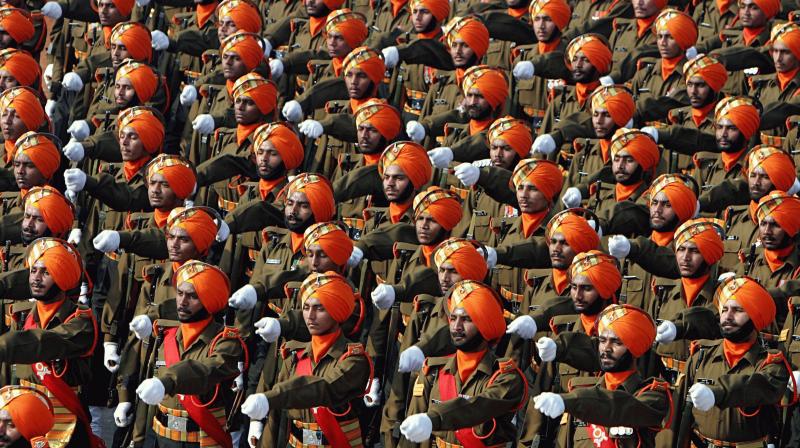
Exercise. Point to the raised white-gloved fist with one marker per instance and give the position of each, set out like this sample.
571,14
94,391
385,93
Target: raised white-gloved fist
292,111
238,382
725,275
410,360
254,433
691,52
75,236
524,70
546,348
571,198
311,128
651,131
72,82
666,332
549,404
268,328
796,376
441,157
52,10
417,428
47,76
355,257
73,150
275,69
373,397
383,296
544,144
482,163
390,57
266,45
151,391
106,241
50,108
619,246
141,326
111,356
121,417
71,195
244,298
75,179
79,130
415,131
468,174
188,95
702,397
203,124
158,40
491,257
607,81
223,232
256,407
524,326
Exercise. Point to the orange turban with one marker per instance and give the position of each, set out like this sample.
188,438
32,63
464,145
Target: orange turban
125,6
41,150
246,46
367,60
464,256
755,300
62,261
210,284
333,4
55,208
17,23
243,13
543,174
632,325
514,132
27,105
285,141
177,171
146,124
679,25
770,7
412,159
198,222
482,305
377,112
638,144
580,236
135,37
705,235
30,410
709,69
491,82
594,47
143,78
262,91
617,100
784,208
21,65
558,11
351,25
600,269
332,291
440,9
319,192
742,113
332,239
778,165
789,34
443,205
472,31
681,198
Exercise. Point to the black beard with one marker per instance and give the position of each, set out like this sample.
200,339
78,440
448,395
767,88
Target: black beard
668,226
624,363
378,149
472,345
441,236
26,240
50,296
19,443
431,26
196,317
276,173
637,176
701,271
406,195
595,308
302,226
742,334
737,145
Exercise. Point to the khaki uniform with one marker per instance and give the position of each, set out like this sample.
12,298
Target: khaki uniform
710,21
627,45
765,88
654,93
682,117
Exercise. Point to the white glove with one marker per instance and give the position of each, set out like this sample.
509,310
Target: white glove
666,332
383,296
691,52
244,298
256,407
292,111
268,328
544,144
73,150
651,131
390,57
724,276
482,163
417,428
254,433
702,397
79,129
524,70
794,189
71,195
75,236
50,108
796,376
491,257
373,398
238,382
75,179
151,391
607,81
411,360
223,232
275,69
355,257
158,40
523,326
106,241
266,45
441,157
311,128
52,10
415,131
47,75
752,71
549,404
203,123
121,417
141,326
468,174
619,246
111,356
188,95
546,348
71,81
571,198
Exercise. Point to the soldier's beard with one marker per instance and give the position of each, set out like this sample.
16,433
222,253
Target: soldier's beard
473,345
741,335
406,195
274,173
196,317
29,239
594,309
668,226
623,363
301,227
50,296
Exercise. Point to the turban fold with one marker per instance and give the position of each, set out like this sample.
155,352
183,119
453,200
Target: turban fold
782,207
243,13
595,48
544,175
332,239
789,34
31,411
367,60
755,300
443,205
262,91
440,9
741,112
246,46
125,6
56,210
135,37
514,132
472,31
600,269
638,144
681,198
617,100
17,23
679,25
285,142
580,236
143,78
632,325
778,165
41,150
482,305
332,291
21,65
770,7
411,158
351,25
146,124
27,105
558,11
709,69
705,234
319,192
177,171
210,284
198,222
333,4
62,261
464,256
491,82
378,113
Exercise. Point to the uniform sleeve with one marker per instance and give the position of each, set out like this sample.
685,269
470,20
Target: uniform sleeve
764,387
420,280
697,323
148,243
102,146
196,377
579,350
358,183
69,340
687,141
253,216
726,193
655,259
495,181
617,407
194,42
225,166
379,244
117,195
529,254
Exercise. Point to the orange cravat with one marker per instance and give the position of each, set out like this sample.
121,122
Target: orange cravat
623,192
663,239
750,34
532,221
476,126
396,211
587,322
131,168
698,115
316,24
430,34
614,379
729,159
191,330
107,36
244,130
549,47
669,65
605,148
427,251
582,91
204,12
643,25
775,257
724,5
46,311
354,103
517,12
265,187
322,343
734,351
337,65
160,217
297,241
398,5
467,362
372,159
692,287
10,149
784,78
560,280
752,209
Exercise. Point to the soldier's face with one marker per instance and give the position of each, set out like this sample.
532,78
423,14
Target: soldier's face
582,69
130,145
319,261
612,350
396,184
246,111
6,41
759,184
33,225
583,293
225,27
544,28
699,92
297,211
429,232
750,15
123,92
8,431
160,194
785,61
316,8
732,317
359,86
337,45
189,305
233,67
729,138
370,140
269,162
772,235
662,216
503,155
109,14
180,246
119,52
691,263
667,46
561,253
7,80
422,19
448,276
643,9
478,107
41,283
604,126
317,319
462,329
26,174
530,199
624,167
463,56
11,124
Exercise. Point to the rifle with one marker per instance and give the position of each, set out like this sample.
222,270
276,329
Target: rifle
751,257
685,429
152,356
120,336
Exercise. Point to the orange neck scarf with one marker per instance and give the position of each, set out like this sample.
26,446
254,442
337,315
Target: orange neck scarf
752,209
587,322
265,187
548,47
427,251
467,362
476,126
698,115
615,379
734,351
46,311
560,280
605,149
192,330
320,344
229,89
131,168
397,6
517,12
10,149
175,266
643,25
623,192
532,221
316,24
430,34
750,34
297,241
663,239
396,211
245,130
784,78
204,13
669,65
775,257
692,287
372,159
160,217
107,36
460,75
729,159
724,5
338,64
582,91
